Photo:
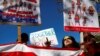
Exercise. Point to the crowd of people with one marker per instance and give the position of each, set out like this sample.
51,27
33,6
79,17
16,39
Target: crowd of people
90,46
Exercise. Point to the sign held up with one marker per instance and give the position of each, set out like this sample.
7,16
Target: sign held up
40,37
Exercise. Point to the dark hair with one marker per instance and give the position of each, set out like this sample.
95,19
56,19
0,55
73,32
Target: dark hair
24,38
89,38
73,45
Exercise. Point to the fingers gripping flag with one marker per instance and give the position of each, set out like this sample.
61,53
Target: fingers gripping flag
23,50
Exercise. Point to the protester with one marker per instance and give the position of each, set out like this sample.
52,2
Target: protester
24,38
69,42
90,44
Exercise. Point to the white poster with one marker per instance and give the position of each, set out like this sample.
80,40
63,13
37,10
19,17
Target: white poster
80,15
25,12
40,37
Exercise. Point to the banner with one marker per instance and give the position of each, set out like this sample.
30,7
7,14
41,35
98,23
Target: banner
25,12
80,15
40,37
23,50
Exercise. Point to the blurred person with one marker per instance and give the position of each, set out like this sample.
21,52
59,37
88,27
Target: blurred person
85,20
5,3
24,38
73,6
91,10
78,6
70,42
90,44
84,7
77,19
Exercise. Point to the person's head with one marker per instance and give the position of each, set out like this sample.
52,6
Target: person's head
5,3
88,37
84,7
77,16
69,41
91,10
24,38
86,34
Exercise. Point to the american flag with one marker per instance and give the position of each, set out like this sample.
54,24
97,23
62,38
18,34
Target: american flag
23,50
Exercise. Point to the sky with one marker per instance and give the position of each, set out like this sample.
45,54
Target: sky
51,17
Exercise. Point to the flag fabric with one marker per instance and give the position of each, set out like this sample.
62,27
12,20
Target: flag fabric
23,50
15,50
32,1
23,11
80,15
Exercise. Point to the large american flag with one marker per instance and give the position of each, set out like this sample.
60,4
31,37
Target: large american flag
23,50
20,11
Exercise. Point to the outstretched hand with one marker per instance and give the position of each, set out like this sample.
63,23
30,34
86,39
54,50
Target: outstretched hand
47,43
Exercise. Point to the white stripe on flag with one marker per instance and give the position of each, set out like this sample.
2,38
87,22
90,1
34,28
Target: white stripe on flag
24,50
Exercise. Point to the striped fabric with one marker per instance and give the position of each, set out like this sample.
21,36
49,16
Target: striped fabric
23,50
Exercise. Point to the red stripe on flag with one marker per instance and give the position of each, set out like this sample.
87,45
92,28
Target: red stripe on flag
8,14
20,15
17,54
32,1
25,12
12,10
20,12
52,48
27,16
82,54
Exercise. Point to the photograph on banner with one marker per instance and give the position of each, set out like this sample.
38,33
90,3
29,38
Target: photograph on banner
26,12
92,43
80,15
40,38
